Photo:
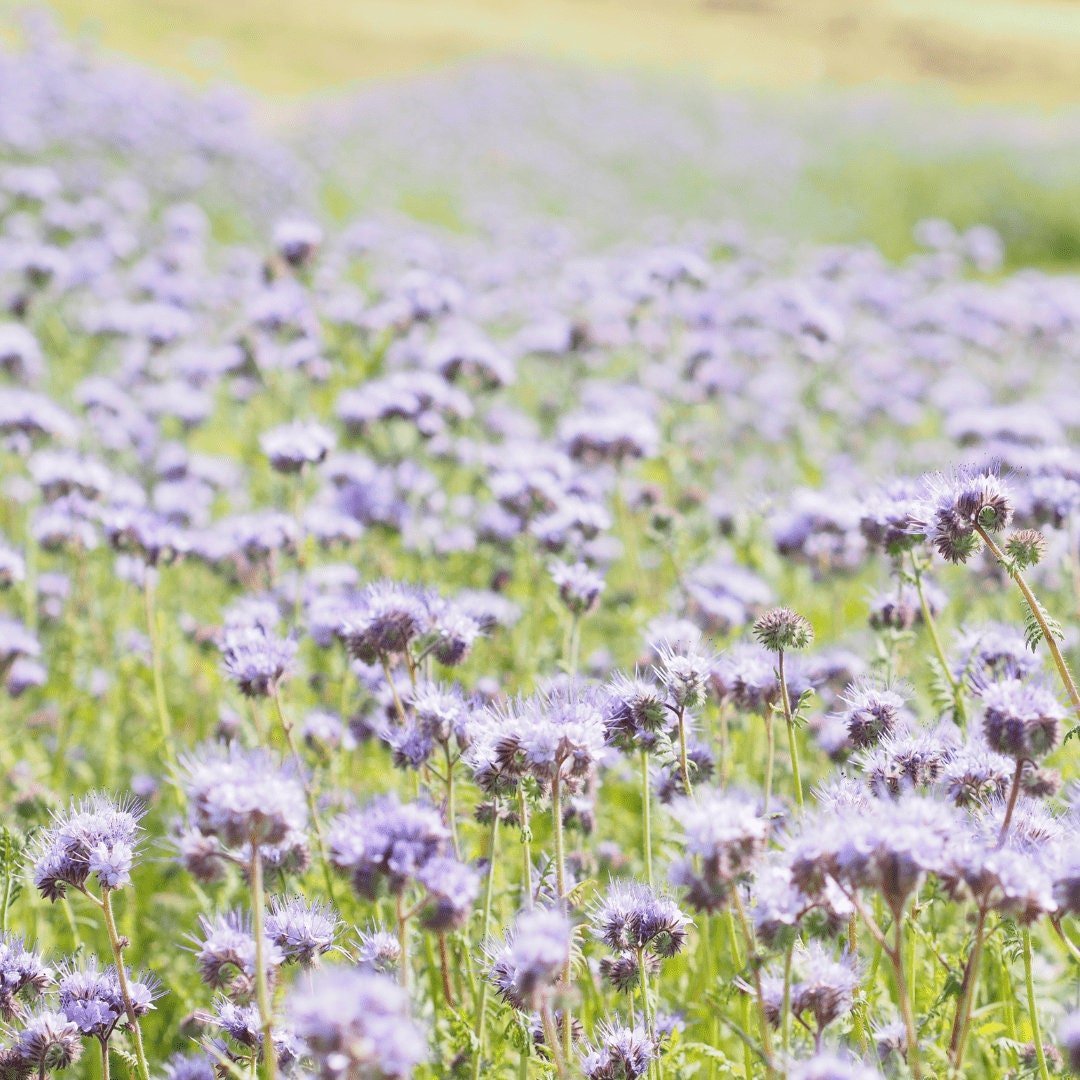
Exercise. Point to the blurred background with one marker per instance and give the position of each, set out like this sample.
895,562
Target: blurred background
825,119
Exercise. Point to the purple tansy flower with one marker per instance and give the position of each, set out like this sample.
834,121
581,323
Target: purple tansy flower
243,796
292,446
354,1023
531,957
97,835
302,930
256,660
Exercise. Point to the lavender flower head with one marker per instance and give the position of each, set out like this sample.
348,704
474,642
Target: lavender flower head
579,586
379,950
633,917
243,796
256,659
724,837
387,842
98,836
1021,719
388,617
48,1041
531,957
90,997
225,954
24,976
303,930
619,1052
356,1024
955,505
872,713
293,446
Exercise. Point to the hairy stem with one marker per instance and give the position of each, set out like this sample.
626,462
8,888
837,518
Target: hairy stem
793,748
646,816
1033,1010
1036,611
931,628
262,982
1010,806
156,666
748,938
480,1023
896,955
309,793
684,764
117,946
526,849
403,940
770,755
962,1021
560,885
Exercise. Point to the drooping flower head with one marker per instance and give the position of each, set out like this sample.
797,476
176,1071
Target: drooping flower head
955,506
1021,719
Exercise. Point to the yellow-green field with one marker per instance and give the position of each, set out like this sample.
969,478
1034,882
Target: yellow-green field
1015,51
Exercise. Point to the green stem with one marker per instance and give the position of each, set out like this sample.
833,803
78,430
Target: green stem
897,957
156,664
793,748
1037,614
309,793
105,1067
646,1002
573,659
931,627
451,816
403,940
551,1037
1010,806
526,849
646,816
121,977
560,885
785,1008
6,901
748,938
399,708
684,764
480,1023
770,740
968,987
744,1007
1033,1011
262,982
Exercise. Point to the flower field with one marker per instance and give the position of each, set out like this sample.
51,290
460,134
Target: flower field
571,608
